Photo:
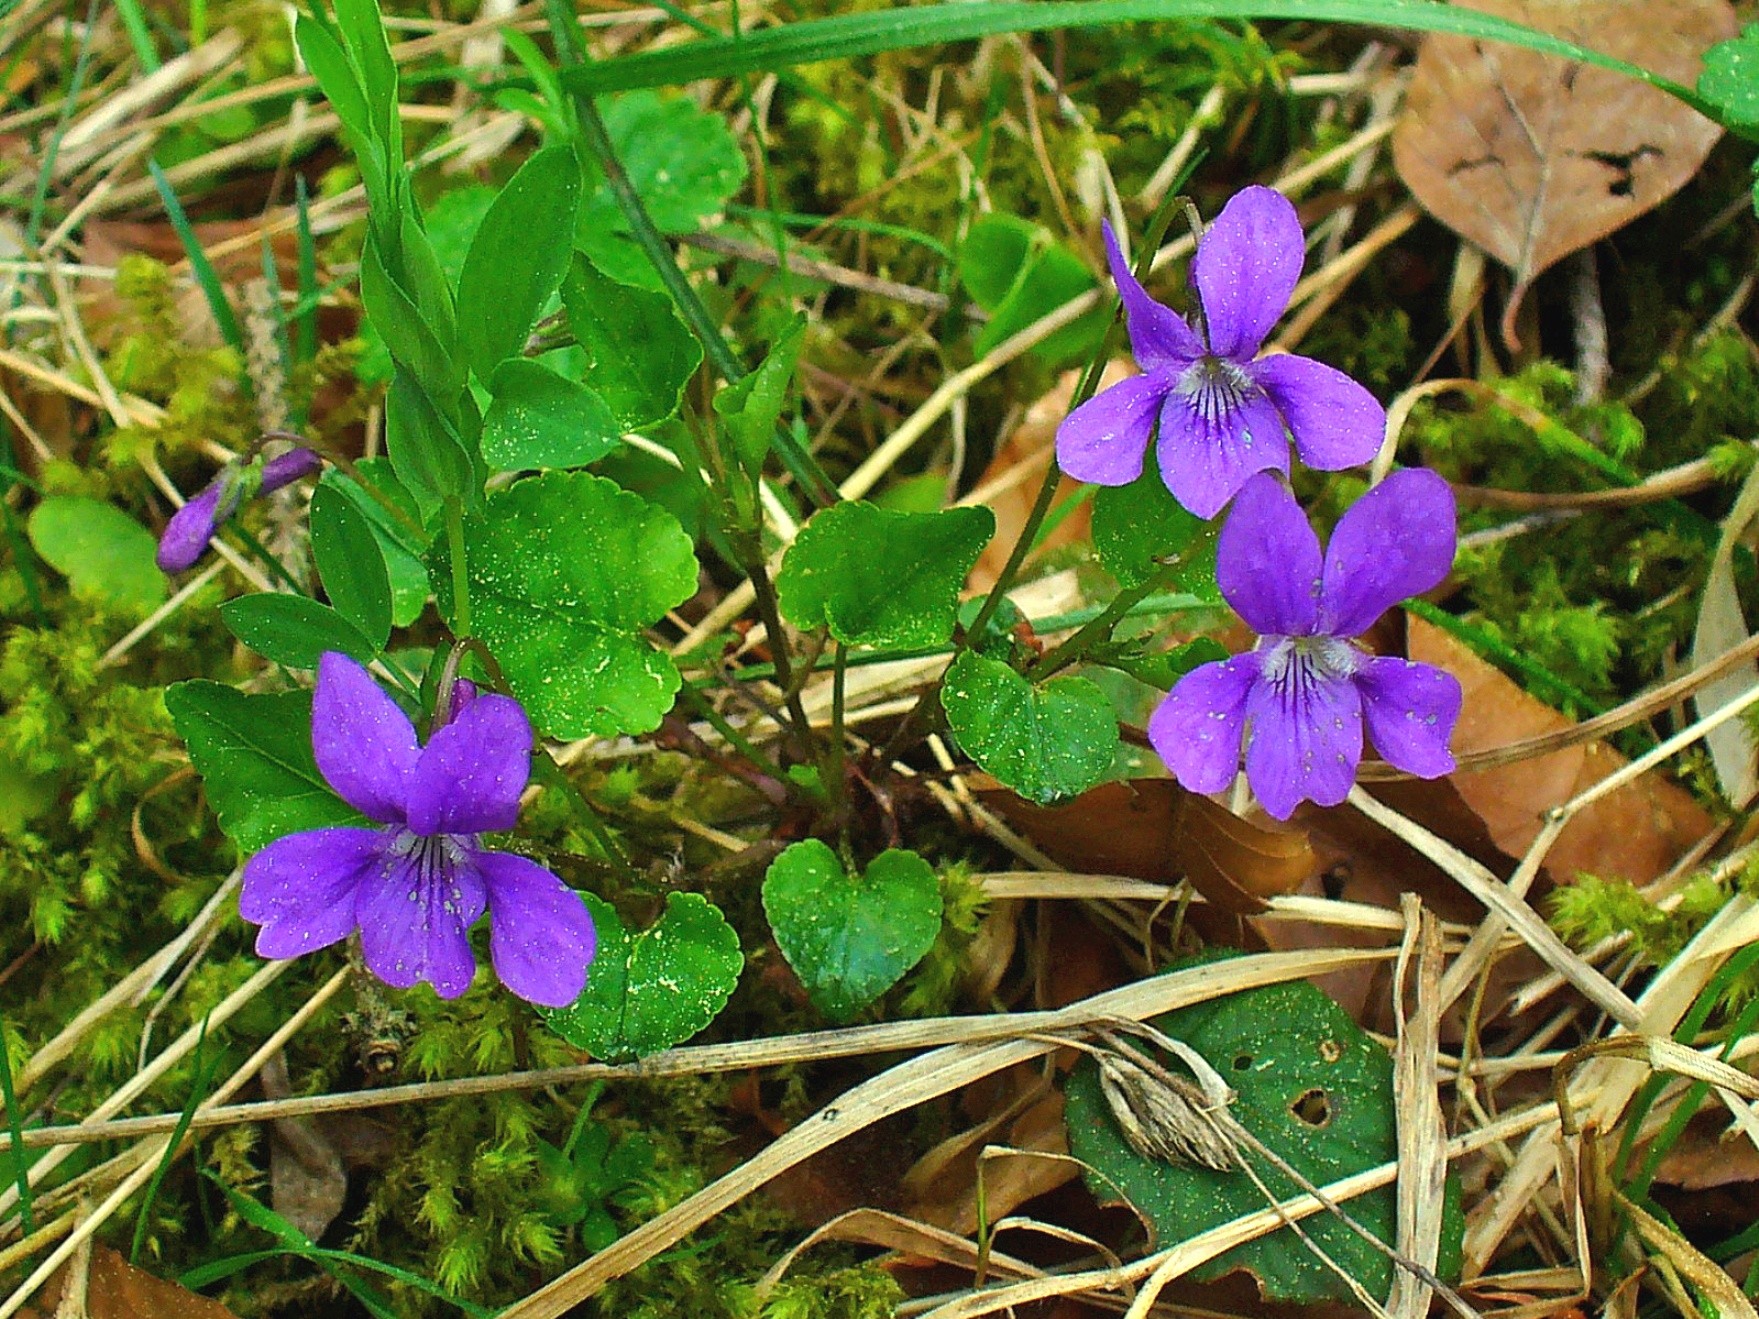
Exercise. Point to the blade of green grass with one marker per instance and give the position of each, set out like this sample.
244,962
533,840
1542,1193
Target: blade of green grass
204,1074
134,22
205,274
848,36
14,1125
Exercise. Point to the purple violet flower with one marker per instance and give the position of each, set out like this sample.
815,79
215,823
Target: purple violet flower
186,536
416,884
1299,701
1221,414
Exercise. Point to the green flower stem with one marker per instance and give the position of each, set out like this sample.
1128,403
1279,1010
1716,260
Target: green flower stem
460,569
1100,627
548,770
701,706
834,767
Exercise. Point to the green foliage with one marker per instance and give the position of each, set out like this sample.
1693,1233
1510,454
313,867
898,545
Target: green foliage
653,988
351,564
394,519
540,418
102,551
638,352
1138,527
255,758
294,629
1018,273
1313,1087
850,938
517,259
1044,741
1591,909
878,578
565,570
1729,80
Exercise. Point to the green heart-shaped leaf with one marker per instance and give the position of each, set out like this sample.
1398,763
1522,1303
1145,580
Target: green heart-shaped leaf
1043,742
879,578
565,571
850,939
1315,1089
650,990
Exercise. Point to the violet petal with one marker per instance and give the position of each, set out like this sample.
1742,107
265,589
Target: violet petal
1197,729
1212,439
1103,441
1305,738
414,911
1159,337
365,746
286,468
301,888
1336,423
1267,561
471,772
541,935
1411,709
190,529
1246,266
1395,542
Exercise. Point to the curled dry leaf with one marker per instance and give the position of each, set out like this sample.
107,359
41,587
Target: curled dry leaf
1533,157
1153,829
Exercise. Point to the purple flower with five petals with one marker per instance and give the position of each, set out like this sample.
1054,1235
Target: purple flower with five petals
415,885
1222,415
186,536
1300,700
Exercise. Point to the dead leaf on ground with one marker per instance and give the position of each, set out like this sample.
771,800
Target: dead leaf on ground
1635,833
1017,469
1533,157
115,1289
1153,829
307,1185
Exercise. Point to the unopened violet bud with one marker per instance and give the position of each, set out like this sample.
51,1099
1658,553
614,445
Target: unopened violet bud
186,536
286,468
463,693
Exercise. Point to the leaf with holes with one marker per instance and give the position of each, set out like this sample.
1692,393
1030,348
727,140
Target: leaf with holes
850,938
649,990
1313,1087
565,571
1043,742
878,578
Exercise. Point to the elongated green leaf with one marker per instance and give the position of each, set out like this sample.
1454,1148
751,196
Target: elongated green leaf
1043,742
363,31
639,354
399,537
750,408
565,571
426,450
255,758
542,419
1313,1087
517,259
879,578
872,32
350,563
413,342
293,630
654,988
850,938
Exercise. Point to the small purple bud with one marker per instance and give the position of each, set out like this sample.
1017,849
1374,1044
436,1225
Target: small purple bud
463,693
186,536
286,468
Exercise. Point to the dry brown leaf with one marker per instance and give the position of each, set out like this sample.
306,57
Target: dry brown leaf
1533,157
1635,833
115,1289
1153,829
